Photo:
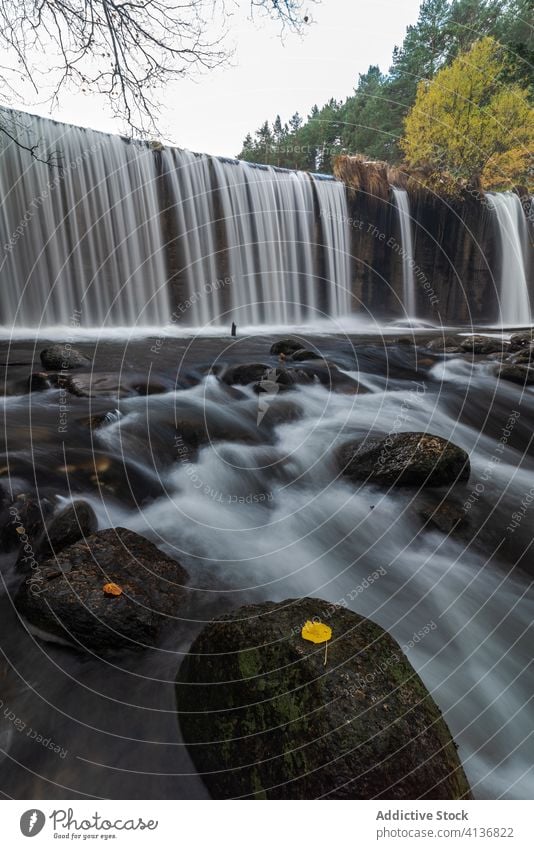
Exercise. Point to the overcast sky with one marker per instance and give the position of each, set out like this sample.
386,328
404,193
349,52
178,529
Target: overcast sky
268,76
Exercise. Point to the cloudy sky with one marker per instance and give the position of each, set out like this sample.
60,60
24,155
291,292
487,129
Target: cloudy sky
267,76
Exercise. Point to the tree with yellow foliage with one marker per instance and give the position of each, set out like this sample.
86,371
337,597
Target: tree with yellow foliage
469,127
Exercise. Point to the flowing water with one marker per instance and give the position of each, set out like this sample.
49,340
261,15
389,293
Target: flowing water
102,238
271,519
90,239
514,297
402,202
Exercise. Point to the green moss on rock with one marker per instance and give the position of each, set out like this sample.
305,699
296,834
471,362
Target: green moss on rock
263,717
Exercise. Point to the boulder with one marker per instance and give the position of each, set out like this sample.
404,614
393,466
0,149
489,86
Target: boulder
24,522
405,459
244,373
64,356
202,427
74,522
332,378
303,354
286,346
65,597
40,381
445,344
264,717
275,379
524,339
114,385
516,374
482,345
443,516
523,357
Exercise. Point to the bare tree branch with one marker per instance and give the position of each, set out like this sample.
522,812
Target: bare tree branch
125,50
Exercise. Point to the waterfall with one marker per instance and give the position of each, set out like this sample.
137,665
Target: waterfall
113,233
408,279
514,297
80,234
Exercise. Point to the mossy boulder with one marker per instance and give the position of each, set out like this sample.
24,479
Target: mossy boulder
264,717
405,459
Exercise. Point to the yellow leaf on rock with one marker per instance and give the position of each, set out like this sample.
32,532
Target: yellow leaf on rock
316,632
112,589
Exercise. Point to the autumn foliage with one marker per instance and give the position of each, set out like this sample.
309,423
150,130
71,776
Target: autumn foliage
471,124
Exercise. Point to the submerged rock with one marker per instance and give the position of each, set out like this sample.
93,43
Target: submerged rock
264,717
482,345
524,339
114,385
74,522
303,354
444,516
286,346
445,345
405,459
524,356
24,521
64,356
65,597
244,373
517,374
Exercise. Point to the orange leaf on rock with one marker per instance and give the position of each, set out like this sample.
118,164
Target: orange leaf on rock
112,589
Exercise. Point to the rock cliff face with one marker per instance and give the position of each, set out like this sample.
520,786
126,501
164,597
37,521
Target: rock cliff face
456,257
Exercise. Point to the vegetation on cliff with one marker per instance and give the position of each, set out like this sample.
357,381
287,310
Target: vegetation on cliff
379,119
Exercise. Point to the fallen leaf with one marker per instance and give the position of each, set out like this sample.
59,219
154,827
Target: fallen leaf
112,589
316,632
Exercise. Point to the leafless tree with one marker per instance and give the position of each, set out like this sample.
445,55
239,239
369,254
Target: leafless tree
125,50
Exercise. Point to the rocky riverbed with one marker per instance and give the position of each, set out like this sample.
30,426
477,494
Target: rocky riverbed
387,476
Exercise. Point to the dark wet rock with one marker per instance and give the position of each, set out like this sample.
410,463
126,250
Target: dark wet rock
24,521
196,428
444,516
275,379
280,411
286,346
303,354
62,357
75,522
445,345
405,459
516,374
121,477
100,420
264,718
482,345
407,341
332,378
113,385
40,381
244,373
65,596
523,357
521,340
